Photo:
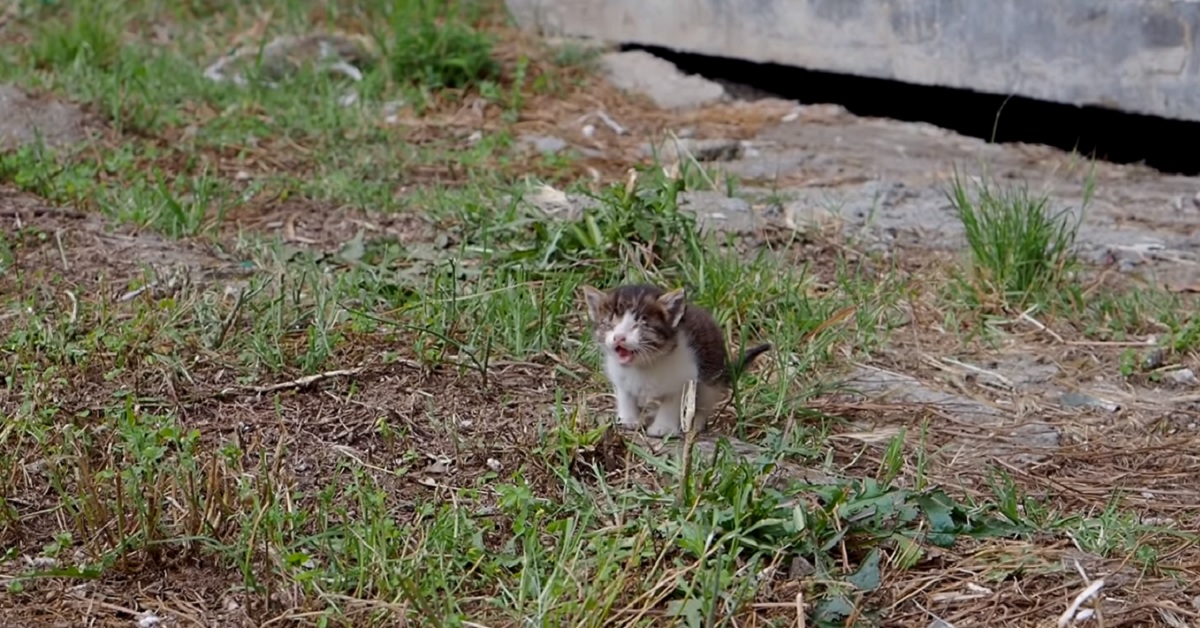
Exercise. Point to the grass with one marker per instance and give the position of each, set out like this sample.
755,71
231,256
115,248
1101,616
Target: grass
1022,251
286,364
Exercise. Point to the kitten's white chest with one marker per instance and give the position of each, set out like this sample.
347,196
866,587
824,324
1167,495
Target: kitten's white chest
666,376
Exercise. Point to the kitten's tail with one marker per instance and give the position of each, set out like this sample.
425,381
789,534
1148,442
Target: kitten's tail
737,368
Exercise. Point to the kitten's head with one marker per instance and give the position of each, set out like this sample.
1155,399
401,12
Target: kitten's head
637,324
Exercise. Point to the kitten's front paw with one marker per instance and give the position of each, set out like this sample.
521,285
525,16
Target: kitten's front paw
662,429
632,424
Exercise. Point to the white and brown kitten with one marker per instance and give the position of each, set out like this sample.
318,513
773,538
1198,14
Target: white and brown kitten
653,342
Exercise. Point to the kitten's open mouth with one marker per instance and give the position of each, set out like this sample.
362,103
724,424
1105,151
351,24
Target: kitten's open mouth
625,356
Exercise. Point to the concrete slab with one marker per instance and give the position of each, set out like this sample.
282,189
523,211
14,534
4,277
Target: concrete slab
1133,55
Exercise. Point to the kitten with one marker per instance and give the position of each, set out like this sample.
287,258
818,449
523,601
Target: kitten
654,342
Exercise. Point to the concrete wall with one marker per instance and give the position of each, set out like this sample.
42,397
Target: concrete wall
1134,55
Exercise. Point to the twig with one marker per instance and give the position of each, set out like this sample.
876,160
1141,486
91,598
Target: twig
229,319
295,383
351,454
62,251
800,618
1025,316
687,413
74,307
41,211
1008,383
1069,615
1111,343
133,294
609,122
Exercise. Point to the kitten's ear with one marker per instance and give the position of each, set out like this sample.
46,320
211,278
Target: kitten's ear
595,300
674,303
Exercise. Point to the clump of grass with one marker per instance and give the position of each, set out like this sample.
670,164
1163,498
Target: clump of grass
576,54
434,45
91,37
1022,250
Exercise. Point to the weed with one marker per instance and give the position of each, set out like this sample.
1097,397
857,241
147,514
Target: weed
90,37
1022,252
576,54
432,45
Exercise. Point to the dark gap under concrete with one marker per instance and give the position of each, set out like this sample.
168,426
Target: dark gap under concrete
1169,146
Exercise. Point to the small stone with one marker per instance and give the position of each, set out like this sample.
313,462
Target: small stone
940,623
720,213
805,216
391,112
494,465
1153,359
1081,400
800,568
441,464
545,144
41,562
1183,377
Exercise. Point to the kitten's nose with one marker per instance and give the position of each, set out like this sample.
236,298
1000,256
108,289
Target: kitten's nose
618,339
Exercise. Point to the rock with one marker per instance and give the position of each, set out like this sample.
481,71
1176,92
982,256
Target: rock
1153,359
640,71
996,438
1182,377
1083,400
23,119
800,568
715,211
557,204
806,216
670,150
545,144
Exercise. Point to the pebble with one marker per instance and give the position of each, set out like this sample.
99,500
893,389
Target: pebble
1181,376
1081,400
545,144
